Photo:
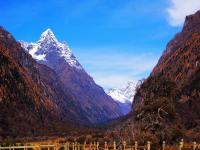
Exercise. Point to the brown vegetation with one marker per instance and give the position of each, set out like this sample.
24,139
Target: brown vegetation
166,105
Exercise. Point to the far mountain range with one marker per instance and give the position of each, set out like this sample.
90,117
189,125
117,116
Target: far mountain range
124,96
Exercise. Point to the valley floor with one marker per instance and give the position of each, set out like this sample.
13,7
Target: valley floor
62,143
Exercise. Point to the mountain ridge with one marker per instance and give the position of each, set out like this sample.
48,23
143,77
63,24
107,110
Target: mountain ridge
166,105
98,106
179,67
31,104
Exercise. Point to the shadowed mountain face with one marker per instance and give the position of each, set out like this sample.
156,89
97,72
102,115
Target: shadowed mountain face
166,105
97,105
37,100
32,98
175,81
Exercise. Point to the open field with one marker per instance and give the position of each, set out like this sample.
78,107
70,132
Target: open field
65,145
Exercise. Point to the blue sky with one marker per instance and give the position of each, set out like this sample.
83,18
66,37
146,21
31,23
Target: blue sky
115,40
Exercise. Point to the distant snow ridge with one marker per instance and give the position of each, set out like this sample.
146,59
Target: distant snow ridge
47,46
125,94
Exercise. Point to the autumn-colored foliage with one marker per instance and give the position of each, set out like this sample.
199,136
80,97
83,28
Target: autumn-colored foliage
32,98
166,105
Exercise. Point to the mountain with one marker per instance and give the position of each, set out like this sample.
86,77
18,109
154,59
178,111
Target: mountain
166,105
123,96
180,65
48,49
96,104
33,100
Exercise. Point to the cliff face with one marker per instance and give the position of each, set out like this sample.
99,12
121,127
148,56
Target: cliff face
32,99
166,105
181,53
180,64
172,89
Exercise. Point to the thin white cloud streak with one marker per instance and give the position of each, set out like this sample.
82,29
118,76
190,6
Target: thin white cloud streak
113,69
134,62
179,9
114,81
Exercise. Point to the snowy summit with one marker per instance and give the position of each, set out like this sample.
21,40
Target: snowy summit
125,94
48,48
48,36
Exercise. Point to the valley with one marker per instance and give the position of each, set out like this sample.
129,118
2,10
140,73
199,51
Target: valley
49,101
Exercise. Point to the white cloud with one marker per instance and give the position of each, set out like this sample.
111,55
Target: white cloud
179,9
112,69
113,80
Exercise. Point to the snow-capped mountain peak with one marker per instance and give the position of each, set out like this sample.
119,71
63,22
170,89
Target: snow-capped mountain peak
118,95
48,36
125,94
48,47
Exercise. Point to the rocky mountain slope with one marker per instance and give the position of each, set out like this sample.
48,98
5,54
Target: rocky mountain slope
180,65
32,98
97,105
166,105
